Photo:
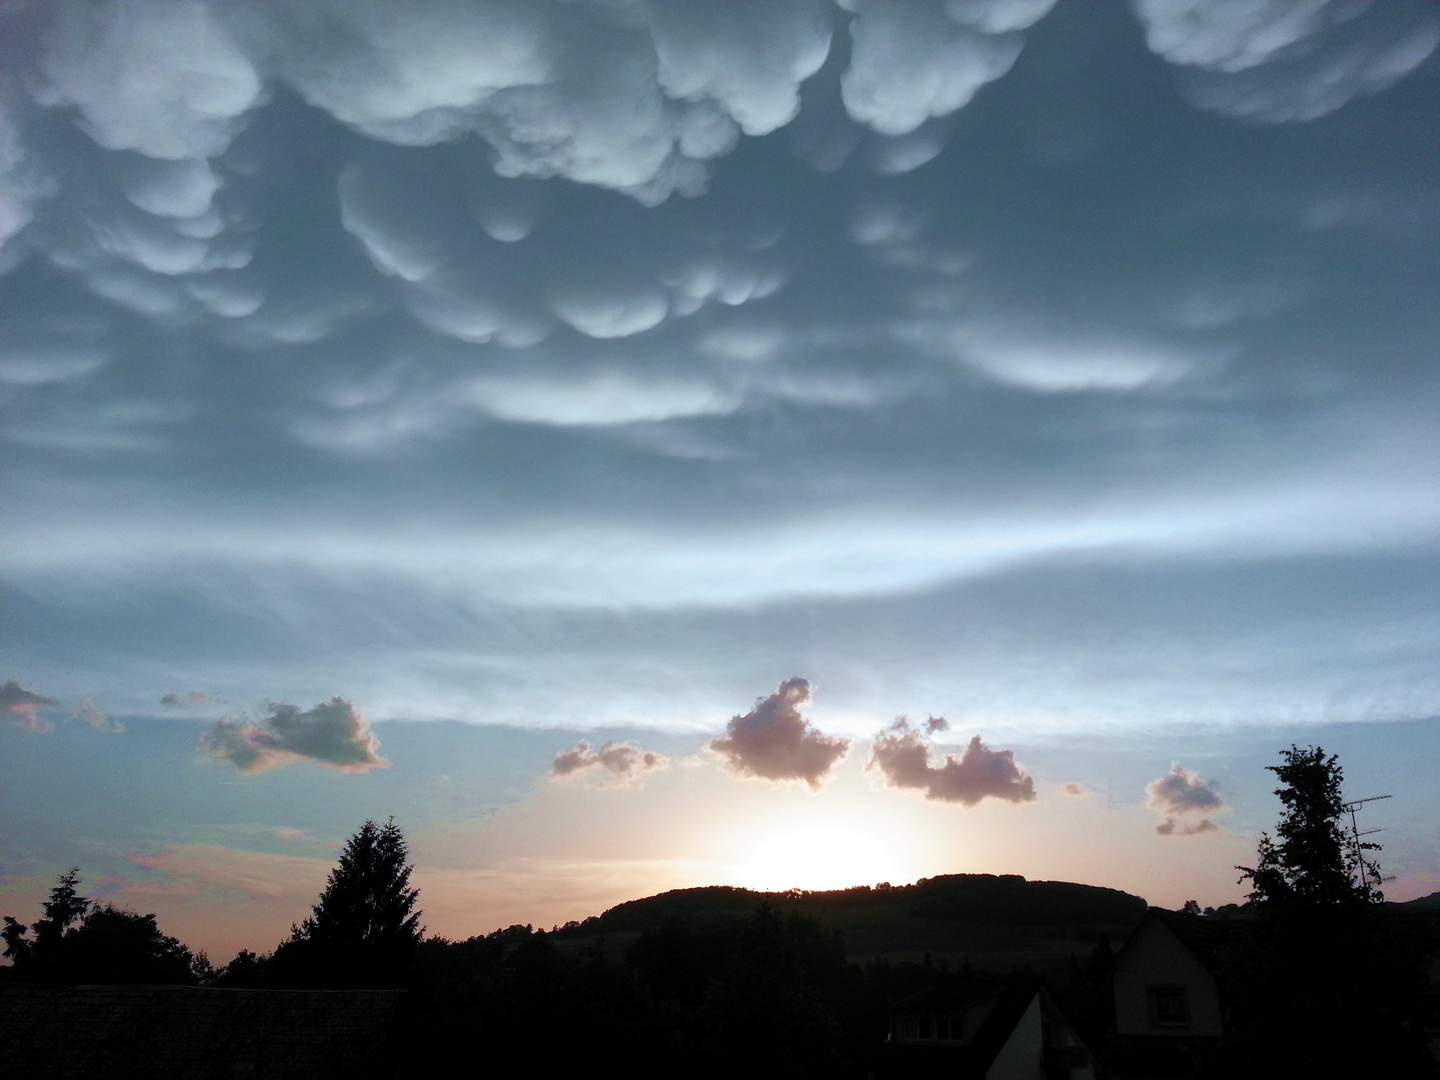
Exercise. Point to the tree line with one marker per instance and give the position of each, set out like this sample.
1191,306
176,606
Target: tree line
707,993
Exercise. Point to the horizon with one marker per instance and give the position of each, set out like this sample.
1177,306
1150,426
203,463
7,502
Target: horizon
656,444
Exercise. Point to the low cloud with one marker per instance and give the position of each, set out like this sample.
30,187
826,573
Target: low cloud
92,715
192,698
1075,789
332,734
1184,801
623,762
774,742
22,703
903,754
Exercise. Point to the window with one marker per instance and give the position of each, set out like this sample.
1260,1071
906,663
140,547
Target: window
1169,1006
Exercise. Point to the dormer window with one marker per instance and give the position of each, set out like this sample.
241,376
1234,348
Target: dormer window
1169,1006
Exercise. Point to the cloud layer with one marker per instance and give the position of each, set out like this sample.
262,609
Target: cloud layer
1184,801
331,734
903,754
774,742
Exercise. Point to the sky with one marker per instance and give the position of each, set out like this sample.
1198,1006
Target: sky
642,444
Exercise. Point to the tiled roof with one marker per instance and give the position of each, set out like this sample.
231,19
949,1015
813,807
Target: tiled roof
181,1032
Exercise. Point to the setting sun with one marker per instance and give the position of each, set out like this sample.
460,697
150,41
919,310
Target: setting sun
820,857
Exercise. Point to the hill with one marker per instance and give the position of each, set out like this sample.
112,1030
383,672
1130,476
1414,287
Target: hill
992,921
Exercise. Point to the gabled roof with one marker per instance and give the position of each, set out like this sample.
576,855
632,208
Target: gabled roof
1205,936
58,1033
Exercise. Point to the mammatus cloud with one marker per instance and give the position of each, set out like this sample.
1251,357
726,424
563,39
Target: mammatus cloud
332,734
21,704
623,761
1184,801
98,721
774,742
902,754
912,60
1284,61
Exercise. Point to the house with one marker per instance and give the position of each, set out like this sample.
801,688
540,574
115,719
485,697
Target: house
1166,978
164,1032
1017,1034
1170,1004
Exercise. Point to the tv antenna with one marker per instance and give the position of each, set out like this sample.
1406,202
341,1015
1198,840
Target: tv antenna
1356,834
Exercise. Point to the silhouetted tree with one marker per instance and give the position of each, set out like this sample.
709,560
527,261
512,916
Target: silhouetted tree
1323,955
109,944
38,957
1309,862
365,928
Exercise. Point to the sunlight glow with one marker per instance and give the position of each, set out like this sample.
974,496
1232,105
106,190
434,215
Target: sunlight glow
819,857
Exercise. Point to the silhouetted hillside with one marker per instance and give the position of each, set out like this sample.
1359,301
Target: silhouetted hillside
1004,920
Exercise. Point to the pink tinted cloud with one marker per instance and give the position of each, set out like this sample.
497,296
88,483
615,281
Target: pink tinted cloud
21,705
624,762
902,754
331,734
1184,801
774,742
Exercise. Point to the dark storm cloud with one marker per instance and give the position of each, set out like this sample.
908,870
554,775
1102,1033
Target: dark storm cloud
774,742
1184,801
624,762
902,754
331,734
21,704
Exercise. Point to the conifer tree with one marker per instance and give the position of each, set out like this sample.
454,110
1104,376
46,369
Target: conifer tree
365,924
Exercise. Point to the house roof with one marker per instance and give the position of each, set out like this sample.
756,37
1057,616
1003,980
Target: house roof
58,1033
975,1057
1205,936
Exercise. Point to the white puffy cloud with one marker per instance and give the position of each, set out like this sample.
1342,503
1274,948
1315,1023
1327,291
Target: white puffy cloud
331,734
902,754
624,762
1184,801
1284,61
163,77
909,61
774,742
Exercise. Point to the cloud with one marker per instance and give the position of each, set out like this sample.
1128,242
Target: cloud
1075,789
1184,801
624,762
774,742
902,754
1285,61
681,81
22,703
163,77
91,714
193,698
331,734
911,60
